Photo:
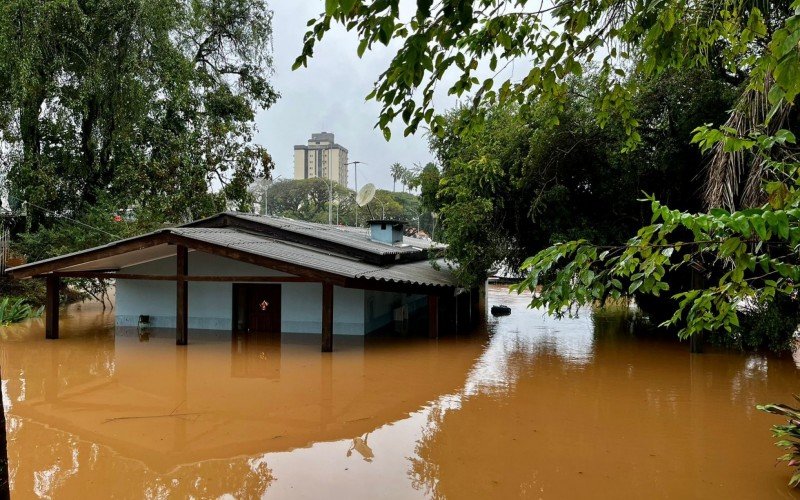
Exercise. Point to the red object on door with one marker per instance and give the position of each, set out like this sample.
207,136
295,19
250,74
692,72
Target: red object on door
264,308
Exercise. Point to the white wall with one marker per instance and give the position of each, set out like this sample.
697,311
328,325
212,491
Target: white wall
348,311
301,307
211,303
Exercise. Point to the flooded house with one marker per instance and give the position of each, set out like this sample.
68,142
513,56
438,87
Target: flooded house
244,272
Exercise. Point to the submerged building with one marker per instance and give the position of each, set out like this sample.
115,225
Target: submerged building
244,272
321,157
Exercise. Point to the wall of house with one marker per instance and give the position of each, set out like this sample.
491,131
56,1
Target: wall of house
211,304
348,311
301,309
379,307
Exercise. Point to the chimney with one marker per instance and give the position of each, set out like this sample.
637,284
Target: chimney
386,231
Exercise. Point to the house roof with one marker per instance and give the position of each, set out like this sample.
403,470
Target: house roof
349,238
416,272
296,247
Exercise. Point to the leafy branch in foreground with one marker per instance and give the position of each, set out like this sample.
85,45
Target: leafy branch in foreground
465,46
753,251
789,436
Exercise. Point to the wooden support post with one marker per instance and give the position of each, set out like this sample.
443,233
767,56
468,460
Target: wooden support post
51,307
182,312
433,316
483,299
327,317
474,297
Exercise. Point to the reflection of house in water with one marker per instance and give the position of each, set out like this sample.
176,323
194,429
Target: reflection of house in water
255,354
111,403
242,272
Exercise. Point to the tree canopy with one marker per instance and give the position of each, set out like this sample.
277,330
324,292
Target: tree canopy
745,250
307,199
469,42
521,185
123,103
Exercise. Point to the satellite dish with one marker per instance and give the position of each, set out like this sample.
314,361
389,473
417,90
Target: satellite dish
365,194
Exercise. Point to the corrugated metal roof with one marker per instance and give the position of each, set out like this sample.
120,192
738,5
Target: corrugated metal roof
419,272
354,237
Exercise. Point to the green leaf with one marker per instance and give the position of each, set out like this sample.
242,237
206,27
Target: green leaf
330,7
347,5
424,8
787,75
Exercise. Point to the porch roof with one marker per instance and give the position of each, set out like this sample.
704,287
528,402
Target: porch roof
344,256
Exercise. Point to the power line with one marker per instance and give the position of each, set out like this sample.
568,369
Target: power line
64,217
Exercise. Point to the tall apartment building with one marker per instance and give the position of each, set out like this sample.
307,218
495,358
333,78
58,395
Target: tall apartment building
321,157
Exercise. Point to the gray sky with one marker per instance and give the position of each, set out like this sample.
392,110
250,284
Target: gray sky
328,96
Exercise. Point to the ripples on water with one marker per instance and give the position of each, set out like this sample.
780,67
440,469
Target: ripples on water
526,406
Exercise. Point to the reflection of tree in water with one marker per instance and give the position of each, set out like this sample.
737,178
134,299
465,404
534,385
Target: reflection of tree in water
539,414
59,457
510,357
425,472
37,370
54,463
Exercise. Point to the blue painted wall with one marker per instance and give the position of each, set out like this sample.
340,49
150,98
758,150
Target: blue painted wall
210,304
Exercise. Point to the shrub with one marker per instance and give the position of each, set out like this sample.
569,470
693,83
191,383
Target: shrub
765,326
789,435
32,291
13,310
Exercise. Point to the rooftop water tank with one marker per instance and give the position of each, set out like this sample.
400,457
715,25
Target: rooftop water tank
386,231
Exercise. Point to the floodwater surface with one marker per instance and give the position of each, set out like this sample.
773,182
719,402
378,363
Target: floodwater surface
526,406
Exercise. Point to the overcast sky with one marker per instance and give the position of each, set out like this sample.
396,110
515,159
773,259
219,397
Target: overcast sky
328,96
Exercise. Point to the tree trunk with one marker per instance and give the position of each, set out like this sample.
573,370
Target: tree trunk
30,134
87,149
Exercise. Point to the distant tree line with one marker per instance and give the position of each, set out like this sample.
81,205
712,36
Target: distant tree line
308,199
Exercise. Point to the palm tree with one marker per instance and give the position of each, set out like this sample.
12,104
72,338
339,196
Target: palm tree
735,180
397,171
408,179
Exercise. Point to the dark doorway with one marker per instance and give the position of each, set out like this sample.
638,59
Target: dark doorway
256,308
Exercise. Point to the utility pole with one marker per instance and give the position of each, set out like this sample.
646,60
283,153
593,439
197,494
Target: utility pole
355,171
260,189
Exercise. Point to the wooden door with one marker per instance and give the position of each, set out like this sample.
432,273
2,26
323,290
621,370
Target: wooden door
263,308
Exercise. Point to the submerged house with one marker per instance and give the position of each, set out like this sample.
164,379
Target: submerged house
246,272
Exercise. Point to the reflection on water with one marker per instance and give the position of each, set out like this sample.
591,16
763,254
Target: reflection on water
528,406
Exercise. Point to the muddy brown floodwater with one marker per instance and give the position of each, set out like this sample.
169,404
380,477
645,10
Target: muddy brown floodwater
526,407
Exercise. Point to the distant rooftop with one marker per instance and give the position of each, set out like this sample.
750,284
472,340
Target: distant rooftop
320,140
323,136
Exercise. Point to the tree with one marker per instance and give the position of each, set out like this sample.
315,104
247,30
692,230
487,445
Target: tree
428,183
397,171
542,184
408,178
755,44
307,199
131,103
